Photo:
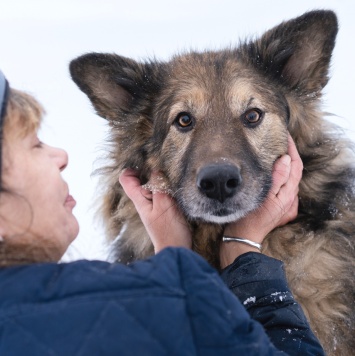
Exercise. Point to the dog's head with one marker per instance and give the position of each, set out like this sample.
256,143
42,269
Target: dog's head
213,122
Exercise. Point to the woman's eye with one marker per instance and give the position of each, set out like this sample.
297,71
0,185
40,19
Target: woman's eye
252,117
184,121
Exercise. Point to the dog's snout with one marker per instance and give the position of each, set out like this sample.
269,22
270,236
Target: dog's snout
219,182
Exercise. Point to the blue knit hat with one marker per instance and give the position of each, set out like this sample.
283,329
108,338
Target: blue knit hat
4,94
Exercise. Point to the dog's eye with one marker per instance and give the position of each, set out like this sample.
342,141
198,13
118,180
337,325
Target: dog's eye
252,117
184,121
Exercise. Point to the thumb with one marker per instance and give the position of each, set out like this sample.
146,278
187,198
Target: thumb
132,187
281,173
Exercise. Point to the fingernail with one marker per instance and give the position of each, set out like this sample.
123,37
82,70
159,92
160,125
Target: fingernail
286,160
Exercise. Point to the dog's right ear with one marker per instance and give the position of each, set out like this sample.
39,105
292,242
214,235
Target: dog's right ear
114,84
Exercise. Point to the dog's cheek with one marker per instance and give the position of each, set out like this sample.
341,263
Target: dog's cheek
265,145
172,156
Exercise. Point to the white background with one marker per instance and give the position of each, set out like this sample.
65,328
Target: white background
38,38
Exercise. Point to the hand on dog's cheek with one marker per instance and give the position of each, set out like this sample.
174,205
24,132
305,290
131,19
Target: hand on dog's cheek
257,224
163,221
280,207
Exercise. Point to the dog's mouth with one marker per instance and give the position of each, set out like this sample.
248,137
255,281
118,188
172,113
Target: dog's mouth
222,212
197,207
218,218
215,212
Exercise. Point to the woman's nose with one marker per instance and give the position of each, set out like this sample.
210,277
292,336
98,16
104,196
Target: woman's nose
61,158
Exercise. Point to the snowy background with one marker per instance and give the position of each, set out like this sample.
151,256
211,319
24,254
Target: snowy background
38,38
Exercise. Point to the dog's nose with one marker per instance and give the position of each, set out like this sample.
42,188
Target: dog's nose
219,182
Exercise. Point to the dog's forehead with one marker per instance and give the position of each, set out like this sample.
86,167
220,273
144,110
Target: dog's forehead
192,98
205,67
246,90
222,81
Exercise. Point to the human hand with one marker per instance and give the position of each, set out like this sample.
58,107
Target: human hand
279,207
165,224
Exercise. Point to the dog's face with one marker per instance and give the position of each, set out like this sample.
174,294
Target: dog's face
214,122
218,132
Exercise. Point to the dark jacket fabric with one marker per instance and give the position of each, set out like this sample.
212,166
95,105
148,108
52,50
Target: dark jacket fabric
260,284
171,304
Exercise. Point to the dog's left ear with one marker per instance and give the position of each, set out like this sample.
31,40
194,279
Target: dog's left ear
297,53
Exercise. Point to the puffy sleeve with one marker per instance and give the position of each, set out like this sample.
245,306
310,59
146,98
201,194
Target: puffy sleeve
260,284
220,324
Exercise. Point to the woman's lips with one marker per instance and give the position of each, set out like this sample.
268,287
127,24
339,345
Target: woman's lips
70,201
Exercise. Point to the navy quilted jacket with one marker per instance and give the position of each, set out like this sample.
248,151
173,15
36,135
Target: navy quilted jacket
171,304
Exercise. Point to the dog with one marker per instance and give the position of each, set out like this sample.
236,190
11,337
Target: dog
214,123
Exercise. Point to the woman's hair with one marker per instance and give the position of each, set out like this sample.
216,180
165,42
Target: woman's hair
23,115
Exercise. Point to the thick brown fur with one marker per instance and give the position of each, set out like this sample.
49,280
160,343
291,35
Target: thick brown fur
201,110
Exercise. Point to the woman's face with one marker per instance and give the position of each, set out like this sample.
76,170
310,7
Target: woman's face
39,206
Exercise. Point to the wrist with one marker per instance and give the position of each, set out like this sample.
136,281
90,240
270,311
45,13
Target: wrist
161,246
230,250
243,241
255,235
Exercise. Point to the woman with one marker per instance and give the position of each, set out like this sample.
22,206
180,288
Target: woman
172,303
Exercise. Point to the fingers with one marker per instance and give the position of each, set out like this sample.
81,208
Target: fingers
287,196
142,198
295,176
290,213
292,150
161,199
131,184
132,187
281,173
287,169
296,162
